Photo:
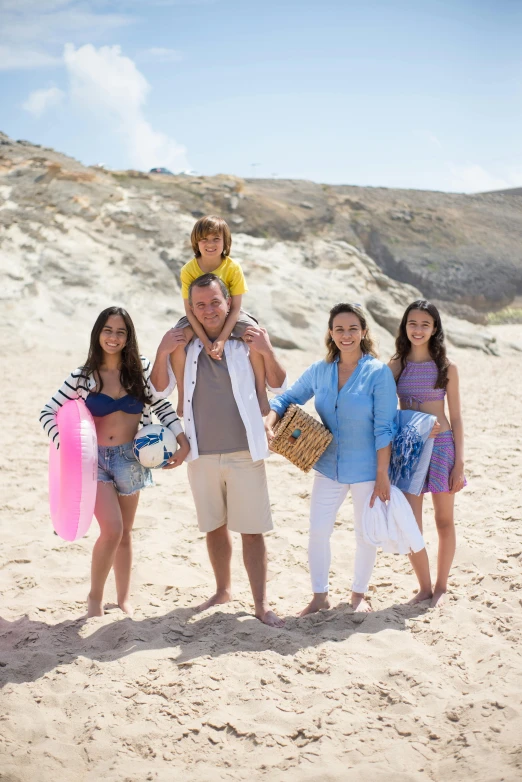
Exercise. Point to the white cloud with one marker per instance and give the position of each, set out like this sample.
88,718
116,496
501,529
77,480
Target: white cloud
111,87
40,100
33,32
157,54
18,58
475,179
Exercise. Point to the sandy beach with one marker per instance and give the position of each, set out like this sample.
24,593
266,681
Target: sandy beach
404,693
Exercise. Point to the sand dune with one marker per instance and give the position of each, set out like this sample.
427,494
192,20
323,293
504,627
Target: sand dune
402,694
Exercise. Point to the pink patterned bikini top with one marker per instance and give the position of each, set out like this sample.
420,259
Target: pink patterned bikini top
416,384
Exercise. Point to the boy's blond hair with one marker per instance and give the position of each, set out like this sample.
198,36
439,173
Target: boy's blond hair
206,226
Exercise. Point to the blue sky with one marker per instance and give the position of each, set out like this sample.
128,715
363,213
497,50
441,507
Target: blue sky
393,93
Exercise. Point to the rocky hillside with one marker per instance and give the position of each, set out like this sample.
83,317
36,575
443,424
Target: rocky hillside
74,240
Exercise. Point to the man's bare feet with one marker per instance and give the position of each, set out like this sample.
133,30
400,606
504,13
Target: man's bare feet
421,595
360,604
437,601
219,598
319,602
268,617
94,607
126,607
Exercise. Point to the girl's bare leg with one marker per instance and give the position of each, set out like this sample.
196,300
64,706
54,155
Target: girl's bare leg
123,558
108,513
419,561
258,365
177,361
443,505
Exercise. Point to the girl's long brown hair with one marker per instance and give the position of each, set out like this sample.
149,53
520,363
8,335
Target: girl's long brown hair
436,345
131,370
367,343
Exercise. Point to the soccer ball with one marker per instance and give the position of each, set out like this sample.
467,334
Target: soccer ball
154,445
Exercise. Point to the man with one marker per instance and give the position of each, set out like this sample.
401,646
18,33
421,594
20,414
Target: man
228,444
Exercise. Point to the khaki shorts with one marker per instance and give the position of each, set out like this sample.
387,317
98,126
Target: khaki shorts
231,489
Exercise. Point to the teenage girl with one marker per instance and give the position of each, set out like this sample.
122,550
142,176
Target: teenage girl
425,379
114,383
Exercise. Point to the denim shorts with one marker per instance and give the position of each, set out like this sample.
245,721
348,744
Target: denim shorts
118,465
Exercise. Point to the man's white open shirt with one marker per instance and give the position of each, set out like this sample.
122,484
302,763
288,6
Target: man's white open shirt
243,388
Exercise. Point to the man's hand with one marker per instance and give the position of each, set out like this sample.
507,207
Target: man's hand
258,339
172,340
217,349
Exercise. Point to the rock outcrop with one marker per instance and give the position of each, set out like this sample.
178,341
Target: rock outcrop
74,240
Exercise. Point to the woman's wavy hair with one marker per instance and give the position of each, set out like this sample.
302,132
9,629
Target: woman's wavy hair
367,343
436,345
131,370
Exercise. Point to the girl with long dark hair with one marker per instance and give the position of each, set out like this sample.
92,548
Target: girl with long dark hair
356,400
425,377
114,383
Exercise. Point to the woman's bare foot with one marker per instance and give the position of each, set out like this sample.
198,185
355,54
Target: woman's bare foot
319,602
422,594
268,617
360,604
437,601
222,596
94,607
126,607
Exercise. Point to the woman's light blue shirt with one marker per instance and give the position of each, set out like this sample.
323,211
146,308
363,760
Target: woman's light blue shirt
361,416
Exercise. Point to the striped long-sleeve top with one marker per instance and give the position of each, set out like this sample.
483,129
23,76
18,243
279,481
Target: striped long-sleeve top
79,385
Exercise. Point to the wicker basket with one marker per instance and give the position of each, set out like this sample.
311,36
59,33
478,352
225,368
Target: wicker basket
300,438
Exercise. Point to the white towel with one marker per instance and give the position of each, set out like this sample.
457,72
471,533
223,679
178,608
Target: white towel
392,525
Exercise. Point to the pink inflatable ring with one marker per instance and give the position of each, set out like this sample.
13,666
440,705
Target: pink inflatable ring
73,471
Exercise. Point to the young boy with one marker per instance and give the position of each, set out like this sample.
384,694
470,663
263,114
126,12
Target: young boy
211,242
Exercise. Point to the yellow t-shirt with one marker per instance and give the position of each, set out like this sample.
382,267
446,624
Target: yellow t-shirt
228,270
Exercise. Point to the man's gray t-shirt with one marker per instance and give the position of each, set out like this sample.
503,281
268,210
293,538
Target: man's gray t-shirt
219,428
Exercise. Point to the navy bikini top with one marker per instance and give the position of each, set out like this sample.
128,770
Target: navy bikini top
100,405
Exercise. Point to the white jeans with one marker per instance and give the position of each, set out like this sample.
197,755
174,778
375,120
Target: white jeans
327,498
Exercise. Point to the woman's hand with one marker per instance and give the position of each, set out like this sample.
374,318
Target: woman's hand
456,478
180,455
270,421
381,489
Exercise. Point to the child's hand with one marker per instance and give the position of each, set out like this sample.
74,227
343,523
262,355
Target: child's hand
207,346
456,478
178,458
217,349
435,431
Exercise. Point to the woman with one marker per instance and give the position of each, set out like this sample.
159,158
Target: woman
114,383
356,400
